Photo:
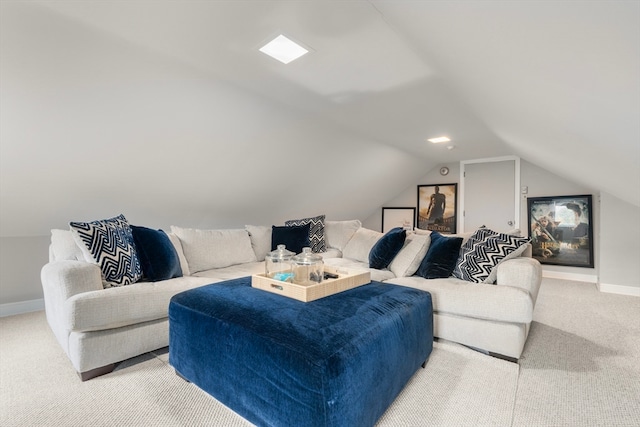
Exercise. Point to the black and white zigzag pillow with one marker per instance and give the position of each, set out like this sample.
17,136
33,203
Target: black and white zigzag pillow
479,236
109,243
478,264
316,231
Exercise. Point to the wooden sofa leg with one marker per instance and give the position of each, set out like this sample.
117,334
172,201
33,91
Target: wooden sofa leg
87,375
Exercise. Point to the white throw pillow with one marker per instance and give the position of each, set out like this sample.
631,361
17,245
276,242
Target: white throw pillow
338,233
64,246
408,260
184,265
360,244
260,236
209,249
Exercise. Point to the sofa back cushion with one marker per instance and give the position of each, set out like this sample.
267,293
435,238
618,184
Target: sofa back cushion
209,249
360,244
338,233
408,260
260,236
64,247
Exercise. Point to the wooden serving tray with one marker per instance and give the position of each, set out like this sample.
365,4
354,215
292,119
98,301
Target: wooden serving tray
306,293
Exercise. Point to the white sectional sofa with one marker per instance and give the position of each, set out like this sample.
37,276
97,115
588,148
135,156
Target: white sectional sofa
99,326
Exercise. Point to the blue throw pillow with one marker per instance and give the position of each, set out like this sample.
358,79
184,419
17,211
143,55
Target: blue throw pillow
386,249
441,257
294,237
158,257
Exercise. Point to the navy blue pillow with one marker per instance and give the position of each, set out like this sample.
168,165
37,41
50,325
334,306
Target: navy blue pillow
293,237
158,258
386,249
441,257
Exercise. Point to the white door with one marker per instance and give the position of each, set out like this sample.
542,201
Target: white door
489,194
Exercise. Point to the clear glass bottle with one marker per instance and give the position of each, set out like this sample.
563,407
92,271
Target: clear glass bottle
278,265
308,268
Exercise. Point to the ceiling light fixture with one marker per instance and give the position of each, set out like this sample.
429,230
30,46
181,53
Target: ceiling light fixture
283,49
439,139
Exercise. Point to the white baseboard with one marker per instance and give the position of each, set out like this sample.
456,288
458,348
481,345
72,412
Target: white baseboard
589,278
619,289
12,308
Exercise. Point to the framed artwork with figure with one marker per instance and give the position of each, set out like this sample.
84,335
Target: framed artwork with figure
398,217
561,230
437,207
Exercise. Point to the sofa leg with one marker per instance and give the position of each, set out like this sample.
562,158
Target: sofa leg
87,375
503,357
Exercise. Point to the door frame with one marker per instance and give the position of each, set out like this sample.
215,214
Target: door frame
516,196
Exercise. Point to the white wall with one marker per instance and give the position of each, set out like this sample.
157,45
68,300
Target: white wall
22,258
409,196
92,126
616,226
619,246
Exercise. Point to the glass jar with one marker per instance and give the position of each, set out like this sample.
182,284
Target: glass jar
277,264
308,268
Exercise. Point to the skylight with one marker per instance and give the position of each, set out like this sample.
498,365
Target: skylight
439,139
283,49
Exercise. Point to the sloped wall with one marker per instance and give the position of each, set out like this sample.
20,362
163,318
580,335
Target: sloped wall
92,126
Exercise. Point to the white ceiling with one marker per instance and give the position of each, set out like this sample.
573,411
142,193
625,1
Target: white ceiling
555,82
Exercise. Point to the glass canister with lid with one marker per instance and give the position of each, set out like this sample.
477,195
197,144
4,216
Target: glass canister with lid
278,265
308,268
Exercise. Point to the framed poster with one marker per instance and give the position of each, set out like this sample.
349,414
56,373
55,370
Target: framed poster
437,207
398,217
561,230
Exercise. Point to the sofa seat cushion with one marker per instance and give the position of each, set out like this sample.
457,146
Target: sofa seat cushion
126,305
234,271
352,266
476,300
331,253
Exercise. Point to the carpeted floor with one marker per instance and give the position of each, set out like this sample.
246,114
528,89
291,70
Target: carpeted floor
581,367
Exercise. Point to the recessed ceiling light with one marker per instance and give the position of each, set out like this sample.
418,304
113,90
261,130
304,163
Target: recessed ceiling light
283,49
439,139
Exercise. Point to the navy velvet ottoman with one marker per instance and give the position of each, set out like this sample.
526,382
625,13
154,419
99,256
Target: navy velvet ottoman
276,361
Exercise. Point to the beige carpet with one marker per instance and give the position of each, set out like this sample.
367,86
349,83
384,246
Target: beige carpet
40,388
580,367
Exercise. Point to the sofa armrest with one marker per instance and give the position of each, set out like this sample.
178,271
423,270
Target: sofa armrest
522,272
64,279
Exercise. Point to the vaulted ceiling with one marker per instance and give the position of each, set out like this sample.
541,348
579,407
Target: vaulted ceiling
125,105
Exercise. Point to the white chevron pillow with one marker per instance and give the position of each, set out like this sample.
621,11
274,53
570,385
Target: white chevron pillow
109,243
316,231
484,251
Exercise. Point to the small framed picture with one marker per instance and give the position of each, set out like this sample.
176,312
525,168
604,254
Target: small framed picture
398,217
438,207
561,230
